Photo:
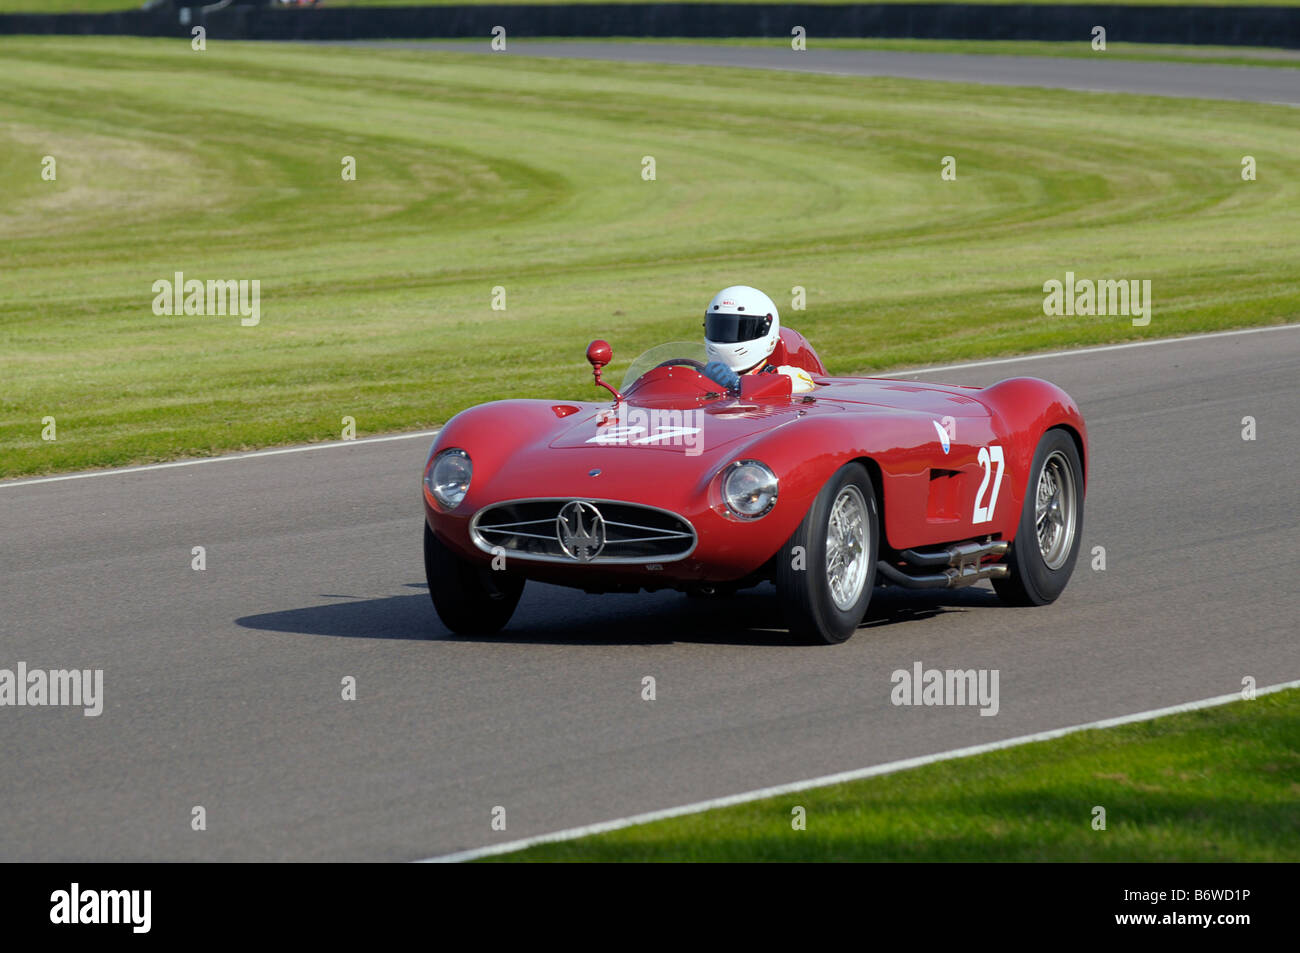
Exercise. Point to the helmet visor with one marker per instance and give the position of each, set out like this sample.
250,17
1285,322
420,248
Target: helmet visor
734,328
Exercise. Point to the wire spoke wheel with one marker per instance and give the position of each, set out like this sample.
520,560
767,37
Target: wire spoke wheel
826,573
848,547
1055,510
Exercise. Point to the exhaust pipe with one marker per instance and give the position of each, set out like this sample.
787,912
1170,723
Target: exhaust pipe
961,554
961,566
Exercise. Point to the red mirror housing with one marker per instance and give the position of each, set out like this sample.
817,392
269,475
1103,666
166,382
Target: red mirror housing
599,353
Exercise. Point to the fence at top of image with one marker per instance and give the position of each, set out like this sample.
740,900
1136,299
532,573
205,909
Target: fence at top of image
1232,26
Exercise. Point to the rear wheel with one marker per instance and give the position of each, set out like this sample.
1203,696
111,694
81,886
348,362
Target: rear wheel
1051,525
826,570
470,599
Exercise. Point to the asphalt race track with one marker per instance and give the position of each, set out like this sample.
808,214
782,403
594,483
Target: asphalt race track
1196,80
222,687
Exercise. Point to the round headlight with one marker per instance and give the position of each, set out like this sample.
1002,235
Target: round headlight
448,478
749,489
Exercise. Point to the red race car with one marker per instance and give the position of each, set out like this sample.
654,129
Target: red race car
678,483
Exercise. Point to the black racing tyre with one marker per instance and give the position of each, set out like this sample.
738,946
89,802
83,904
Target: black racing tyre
470,599
1051,525
823,599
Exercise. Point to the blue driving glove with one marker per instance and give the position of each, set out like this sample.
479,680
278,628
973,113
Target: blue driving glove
722,374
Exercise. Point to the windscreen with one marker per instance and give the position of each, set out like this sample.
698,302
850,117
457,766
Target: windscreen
694,350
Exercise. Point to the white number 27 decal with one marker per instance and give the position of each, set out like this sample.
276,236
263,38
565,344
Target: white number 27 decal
990,457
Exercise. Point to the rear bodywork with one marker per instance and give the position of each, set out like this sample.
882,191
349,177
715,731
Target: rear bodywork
950,464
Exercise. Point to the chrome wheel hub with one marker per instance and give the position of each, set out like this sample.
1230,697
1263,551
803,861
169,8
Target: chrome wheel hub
848,547
1055,510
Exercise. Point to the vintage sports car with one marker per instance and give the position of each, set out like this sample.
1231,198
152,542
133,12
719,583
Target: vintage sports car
677,483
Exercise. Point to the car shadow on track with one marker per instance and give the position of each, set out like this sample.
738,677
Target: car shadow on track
892,605
552,615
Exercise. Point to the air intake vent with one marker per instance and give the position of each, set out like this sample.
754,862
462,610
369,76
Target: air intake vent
582,531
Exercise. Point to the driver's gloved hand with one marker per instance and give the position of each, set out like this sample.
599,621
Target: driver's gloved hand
722,374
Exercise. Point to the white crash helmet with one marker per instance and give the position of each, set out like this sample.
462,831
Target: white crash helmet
741,327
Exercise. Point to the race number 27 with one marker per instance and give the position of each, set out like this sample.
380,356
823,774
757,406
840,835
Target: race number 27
991,462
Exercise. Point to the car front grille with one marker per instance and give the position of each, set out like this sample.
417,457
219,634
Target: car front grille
575,530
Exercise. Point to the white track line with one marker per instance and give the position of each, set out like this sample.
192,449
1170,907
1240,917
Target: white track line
429,433
1100,349
222,459
856,775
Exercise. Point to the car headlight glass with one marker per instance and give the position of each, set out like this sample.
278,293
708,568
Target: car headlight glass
448,478
749,489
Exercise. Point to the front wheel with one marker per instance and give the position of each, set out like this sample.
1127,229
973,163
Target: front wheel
826,570
1051,525
470,599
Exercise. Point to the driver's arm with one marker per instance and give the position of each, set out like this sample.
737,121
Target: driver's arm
800,380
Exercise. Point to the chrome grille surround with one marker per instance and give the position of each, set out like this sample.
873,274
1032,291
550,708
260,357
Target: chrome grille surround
633,533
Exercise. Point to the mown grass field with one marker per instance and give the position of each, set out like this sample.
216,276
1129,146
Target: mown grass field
478,171
68,6
1219,784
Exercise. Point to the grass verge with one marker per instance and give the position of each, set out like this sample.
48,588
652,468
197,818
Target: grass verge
1219,784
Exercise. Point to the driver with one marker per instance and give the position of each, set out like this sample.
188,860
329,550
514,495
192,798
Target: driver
741,330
